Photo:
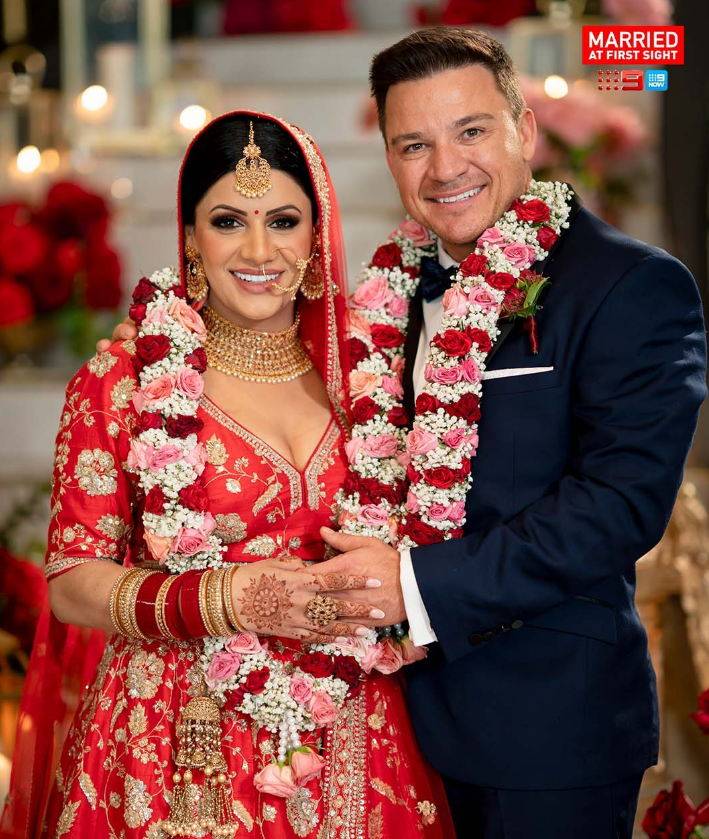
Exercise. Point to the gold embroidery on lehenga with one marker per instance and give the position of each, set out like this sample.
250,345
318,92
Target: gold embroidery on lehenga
269,813
88,788
230,528
122,393
375,824
96,472
101,363
317,465
137,800
344,778
302,812
66,820
216,451
112,526
144,674
263,546
427,811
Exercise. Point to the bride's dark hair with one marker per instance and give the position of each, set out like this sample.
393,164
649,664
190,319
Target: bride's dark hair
216,152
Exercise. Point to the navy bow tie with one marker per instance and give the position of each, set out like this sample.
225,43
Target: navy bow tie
434,279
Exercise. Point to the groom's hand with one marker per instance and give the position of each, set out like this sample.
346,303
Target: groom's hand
126,330
373,558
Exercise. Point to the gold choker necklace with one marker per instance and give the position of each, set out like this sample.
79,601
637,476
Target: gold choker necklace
254,356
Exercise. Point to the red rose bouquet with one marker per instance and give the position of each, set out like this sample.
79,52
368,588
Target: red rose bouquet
57,270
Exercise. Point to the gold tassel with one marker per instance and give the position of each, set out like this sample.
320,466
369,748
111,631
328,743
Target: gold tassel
199,748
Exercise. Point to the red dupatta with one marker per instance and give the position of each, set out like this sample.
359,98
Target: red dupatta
65,657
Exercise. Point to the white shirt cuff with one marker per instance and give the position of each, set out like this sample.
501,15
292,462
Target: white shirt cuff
420,630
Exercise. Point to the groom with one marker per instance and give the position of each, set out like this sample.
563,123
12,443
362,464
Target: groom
537,700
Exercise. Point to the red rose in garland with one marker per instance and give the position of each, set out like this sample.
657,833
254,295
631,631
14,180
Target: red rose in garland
152,348
194,498
347,669
440,477
155,501
256,680
426,403
422,533
358,351
147,420
197,360
183,426
398,416
535,211
501,280
454,344
144,292
473,265
364,409
317,664
387,256
546,238
479,337
387,336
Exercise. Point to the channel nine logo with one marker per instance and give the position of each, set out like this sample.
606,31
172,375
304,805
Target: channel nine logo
633,80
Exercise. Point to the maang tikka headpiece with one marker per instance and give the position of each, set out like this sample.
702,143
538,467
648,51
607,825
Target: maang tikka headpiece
253,172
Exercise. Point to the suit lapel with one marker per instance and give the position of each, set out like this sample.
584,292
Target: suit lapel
410,349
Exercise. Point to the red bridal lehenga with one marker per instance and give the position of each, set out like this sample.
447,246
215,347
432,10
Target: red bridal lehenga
114,774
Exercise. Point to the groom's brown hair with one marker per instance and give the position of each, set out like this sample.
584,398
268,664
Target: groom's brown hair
435,50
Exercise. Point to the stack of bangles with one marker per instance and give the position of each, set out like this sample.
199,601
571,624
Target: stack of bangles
146,603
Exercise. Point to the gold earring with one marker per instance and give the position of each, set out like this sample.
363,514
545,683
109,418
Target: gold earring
197,285
313,283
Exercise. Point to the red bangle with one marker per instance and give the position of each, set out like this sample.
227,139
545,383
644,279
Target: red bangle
171,610
145,605
188,603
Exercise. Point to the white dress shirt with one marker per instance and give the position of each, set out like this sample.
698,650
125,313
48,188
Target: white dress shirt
420,629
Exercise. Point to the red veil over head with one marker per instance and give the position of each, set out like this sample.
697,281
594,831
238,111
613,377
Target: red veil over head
64,657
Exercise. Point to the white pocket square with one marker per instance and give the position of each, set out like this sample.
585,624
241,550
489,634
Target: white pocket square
514,371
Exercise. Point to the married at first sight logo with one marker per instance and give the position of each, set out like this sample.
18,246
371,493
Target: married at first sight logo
635,45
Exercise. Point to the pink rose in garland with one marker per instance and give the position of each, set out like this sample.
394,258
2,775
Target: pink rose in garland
276,780
306,765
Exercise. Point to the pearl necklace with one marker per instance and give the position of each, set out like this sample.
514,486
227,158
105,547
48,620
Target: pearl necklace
270,357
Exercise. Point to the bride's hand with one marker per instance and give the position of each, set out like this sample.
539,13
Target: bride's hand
271,598
126,330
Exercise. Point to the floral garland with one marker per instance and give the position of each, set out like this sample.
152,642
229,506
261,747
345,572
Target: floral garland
285,698
409,488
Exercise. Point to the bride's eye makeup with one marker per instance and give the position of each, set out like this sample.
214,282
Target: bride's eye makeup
226,221
284,222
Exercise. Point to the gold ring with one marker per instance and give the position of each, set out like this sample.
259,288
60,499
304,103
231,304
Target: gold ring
321,609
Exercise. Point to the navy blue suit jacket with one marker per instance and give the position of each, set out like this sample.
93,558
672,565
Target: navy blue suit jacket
575,478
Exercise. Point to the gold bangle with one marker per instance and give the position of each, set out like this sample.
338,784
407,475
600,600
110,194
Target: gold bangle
160,604
215,604
228,598
127,600
113,601
204,605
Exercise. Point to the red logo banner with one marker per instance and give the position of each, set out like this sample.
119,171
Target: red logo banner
633,45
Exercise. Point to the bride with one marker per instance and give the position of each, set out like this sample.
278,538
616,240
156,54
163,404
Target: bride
194,469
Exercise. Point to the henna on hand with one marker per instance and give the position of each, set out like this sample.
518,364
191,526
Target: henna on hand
266,602
339,582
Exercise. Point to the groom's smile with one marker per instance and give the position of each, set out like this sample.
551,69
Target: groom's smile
458,155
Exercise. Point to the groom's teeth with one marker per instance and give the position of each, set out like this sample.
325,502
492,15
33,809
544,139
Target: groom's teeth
255,278
455,198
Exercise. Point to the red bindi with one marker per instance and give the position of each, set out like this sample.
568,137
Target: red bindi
255,212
